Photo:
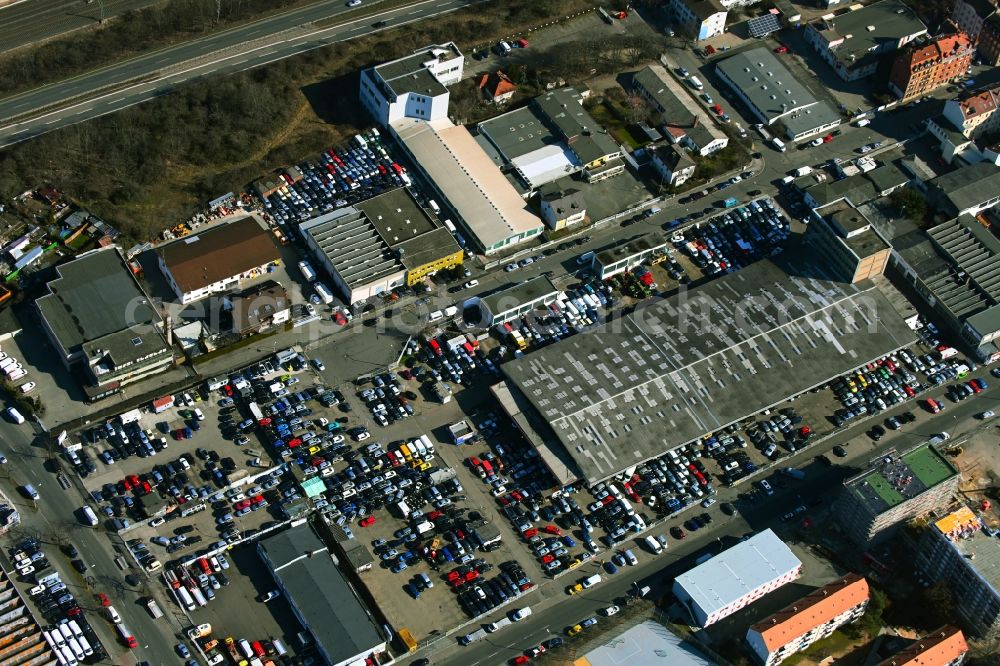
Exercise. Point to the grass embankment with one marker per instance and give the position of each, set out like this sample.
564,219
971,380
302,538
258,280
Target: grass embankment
151,165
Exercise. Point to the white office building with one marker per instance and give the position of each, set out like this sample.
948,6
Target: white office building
414,86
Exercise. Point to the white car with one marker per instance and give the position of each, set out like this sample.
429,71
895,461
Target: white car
986,415
735,179
818,141
510,268
353,3
471,283
678,238
28,387
113,615
609,611
526,261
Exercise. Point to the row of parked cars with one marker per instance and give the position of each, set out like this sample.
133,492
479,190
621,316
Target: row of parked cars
736,238
387,400
340,177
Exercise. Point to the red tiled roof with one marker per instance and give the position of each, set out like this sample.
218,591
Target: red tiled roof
497,84
938,648
975,105
812,611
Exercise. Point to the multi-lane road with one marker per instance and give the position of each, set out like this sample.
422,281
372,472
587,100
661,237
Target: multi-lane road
553,610
24,22
123,84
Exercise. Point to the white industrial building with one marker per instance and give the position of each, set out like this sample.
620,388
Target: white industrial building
736,577
414,86
487,208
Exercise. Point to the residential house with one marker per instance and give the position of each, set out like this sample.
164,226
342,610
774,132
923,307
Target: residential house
497,87
672,163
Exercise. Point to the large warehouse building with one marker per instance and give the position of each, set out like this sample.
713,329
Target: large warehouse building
377,245
219,259
342,627
487,207
736,577
773,94
98,317
596,404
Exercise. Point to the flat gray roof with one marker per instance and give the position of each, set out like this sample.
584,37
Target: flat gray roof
646,644
519,294
766,82
968,186
629,247
686,365
972,249
409,74
775,91
94,297
867,31
353,246
324,600
518,132
738,571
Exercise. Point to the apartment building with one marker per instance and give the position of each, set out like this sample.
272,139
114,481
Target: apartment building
895,488
960,551
919,70
811,618
980,20
854,40
945,646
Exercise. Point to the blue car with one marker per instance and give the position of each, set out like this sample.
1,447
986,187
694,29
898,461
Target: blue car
610,567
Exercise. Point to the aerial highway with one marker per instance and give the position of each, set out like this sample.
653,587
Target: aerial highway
29,114
25,22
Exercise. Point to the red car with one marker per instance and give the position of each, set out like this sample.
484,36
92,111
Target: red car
677,532
805,431
242,504
406,374
103,598
520,659
932,405
228,389
522,43
264,422
454,575
434,515
471,576
367,521
717,110
292,443
530,532
552,529
781,49
974,385
828,138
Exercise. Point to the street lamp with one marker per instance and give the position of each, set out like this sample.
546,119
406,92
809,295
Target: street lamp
101,4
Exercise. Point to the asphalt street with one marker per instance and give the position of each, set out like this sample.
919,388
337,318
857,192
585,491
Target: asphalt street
30,21
29,114
553,610
53,522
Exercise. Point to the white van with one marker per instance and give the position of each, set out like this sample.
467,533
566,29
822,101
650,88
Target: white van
15,415
864,122
653,545
591,581
520,613
778,144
